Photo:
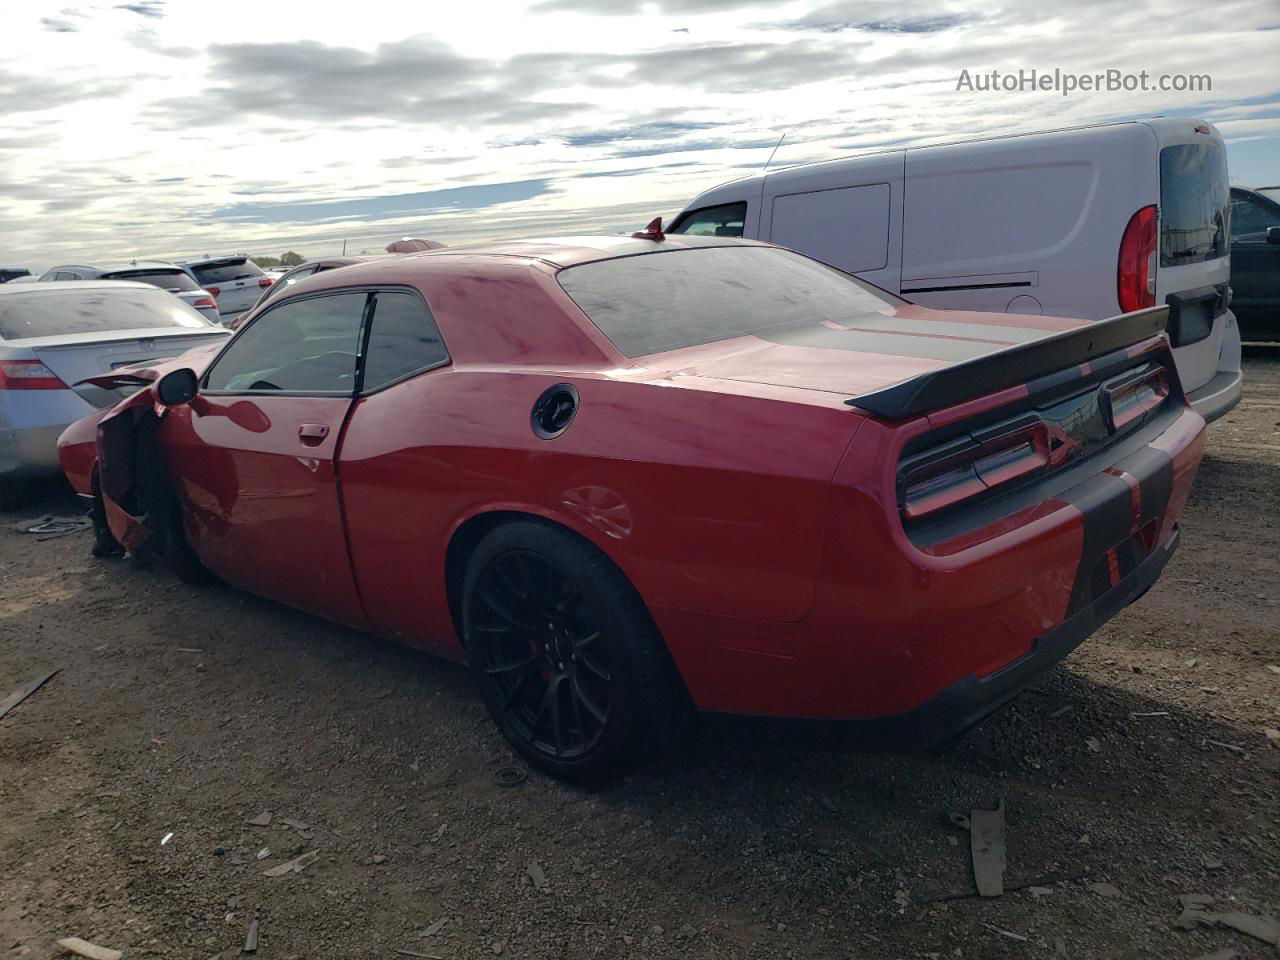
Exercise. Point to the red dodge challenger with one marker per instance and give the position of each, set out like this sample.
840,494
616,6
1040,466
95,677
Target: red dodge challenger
623,476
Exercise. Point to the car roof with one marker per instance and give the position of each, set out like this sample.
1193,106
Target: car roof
210,261
571,251
8,289
121,266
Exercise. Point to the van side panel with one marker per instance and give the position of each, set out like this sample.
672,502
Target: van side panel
1030,224
847,214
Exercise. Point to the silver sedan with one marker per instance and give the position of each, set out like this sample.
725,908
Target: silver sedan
54,335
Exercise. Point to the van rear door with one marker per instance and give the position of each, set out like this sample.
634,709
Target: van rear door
1193,264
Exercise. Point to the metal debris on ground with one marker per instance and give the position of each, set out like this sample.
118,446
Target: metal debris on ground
52,527
261,820
510,776
251,939
83,948
165,839
1153,713
416,953
537,875
1006,933
1065,708
1194,914
433,928
296,865
263,853
24,691
987,844
1094,745
1226,746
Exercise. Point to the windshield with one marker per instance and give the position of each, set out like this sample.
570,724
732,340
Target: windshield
164,279
1193,203
40,312
224,271
656,302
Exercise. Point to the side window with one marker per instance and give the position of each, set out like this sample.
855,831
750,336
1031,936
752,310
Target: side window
1248,217
65,275
726,220
308,345
403,339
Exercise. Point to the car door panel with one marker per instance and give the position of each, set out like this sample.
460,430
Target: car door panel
256,469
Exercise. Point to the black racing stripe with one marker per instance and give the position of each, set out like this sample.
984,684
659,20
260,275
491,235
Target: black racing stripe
1155,470
1106,506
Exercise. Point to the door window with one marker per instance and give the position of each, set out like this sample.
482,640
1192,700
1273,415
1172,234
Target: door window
403,340
1248,216
307,345
726,220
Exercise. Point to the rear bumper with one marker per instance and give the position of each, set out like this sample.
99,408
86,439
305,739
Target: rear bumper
29,452
1219,396
972,699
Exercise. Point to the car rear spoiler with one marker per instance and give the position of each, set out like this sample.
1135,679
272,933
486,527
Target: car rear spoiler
1012,365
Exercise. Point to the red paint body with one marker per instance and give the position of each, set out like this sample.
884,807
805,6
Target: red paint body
757,518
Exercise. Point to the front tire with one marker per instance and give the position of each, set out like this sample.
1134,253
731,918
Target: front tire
569,662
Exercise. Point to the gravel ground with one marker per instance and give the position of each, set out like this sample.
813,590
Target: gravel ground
1140,763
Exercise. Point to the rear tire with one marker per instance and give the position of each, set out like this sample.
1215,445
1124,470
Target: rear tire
570,664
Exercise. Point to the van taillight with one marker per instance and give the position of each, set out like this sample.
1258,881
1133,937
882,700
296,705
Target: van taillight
1135,277
957,471
265,282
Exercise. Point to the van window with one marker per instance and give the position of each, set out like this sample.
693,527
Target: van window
1193,203
847,228
726,220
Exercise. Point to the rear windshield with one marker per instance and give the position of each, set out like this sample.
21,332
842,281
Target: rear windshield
40,312
656,302
224,271
164,279
1193,203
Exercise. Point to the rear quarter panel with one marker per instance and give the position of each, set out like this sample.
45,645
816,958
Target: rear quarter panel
706,501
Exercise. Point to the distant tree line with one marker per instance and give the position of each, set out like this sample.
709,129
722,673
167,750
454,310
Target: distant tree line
289,259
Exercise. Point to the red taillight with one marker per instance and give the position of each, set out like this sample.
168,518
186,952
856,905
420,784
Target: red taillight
265,282
971,468
28,375
1135,269
212,291
1129,400
205,302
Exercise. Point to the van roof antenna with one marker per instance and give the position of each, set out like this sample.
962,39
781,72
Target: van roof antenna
775,150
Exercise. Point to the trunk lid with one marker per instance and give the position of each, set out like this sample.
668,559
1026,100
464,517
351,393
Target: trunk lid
73,361
864,354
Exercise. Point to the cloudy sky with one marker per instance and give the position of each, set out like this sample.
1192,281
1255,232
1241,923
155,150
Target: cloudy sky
179,128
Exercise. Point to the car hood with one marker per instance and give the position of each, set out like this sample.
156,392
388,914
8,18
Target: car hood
861,354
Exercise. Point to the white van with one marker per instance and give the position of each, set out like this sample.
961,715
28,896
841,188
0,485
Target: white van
1083,222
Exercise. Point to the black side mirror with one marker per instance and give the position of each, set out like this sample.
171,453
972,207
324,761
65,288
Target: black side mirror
1273,235
177,387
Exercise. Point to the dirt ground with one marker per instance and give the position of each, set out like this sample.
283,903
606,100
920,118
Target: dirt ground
1140,763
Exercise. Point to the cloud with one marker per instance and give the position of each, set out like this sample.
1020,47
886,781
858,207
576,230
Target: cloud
472,197
416,80
632,7
58,25
28,92
153,9
657,130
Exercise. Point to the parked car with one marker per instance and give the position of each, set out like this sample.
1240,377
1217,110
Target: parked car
159,273
25,278
1084,222
304,270
619,475
52,336
1255,262
234,282
13,273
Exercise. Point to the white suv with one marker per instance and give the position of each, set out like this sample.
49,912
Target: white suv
235,282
